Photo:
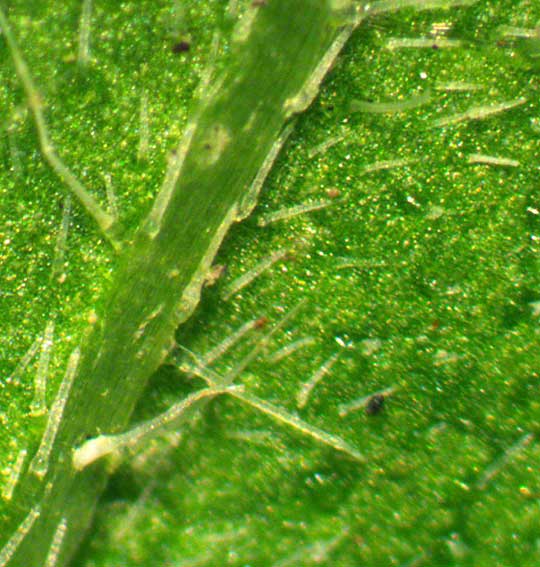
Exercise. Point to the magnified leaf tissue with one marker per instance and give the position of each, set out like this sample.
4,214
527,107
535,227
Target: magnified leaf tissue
270,287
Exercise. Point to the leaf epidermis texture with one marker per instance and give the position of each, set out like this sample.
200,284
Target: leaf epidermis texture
422,275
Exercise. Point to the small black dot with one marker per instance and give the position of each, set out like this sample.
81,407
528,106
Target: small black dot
375,404
181,47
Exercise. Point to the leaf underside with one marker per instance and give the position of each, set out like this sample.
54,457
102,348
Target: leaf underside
421,274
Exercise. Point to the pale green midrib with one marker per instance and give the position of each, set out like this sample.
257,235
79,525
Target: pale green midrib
111,376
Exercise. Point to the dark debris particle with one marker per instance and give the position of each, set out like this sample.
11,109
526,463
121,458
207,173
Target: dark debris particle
375,404
181,47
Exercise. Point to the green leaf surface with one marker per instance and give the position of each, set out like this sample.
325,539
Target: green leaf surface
414,275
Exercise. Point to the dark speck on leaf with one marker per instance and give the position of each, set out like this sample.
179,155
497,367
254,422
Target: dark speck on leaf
181,47
375,404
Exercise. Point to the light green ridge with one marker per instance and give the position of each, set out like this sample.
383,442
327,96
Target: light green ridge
279,53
